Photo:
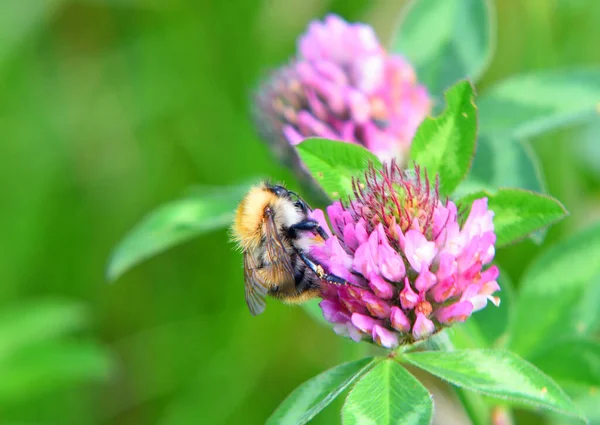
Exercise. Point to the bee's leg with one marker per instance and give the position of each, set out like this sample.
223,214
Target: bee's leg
322,274
308,224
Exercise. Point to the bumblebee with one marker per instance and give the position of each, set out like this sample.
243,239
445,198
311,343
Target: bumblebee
273,229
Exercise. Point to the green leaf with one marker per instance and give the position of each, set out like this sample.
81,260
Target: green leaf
588,401
50,366
571,361
333,164
446,144
499,374
388,394
507,162
518,213
42,320
173,224
314,395
467,335
553,291
531,104
447,40
19,19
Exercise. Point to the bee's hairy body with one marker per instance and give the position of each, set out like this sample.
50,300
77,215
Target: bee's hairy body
274,232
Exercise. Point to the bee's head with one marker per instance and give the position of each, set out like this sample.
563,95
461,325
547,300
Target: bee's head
282,192
278,190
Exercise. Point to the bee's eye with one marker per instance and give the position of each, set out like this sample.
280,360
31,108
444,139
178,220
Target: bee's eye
281,191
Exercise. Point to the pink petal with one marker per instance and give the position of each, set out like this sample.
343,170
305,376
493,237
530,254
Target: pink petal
380,287
364,323
444,289
358,103
349,236
391,264
408,297
491,274
423,327
317,106
457,312
353,306
361,231
363,262
292,135
335,212
384,337
480,219
331,71
368,74
332,311
418,250
399,320
448,266
348,329
397,233
376,306
425,280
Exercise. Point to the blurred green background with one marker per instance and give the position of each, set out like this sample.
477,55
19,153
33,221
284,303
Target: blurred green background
109,108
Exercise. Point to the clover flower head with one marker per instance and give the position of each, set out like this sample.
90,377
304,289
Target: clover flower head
342,85
414,264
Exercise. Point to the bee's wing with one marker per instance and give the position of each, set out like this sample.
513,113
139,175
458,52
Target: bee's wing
254,285
276,255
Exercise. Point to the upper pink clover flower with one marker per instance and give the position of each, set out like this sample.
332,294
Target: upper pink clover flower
342,85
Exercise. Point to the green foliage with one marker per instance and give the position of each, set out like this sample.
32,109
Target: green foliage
446,144
388,395
314,395
333,164
518,213
38,353
447,40
572,362
175,223
499,374
507,162
553,291
50,366
531,104
29,18
39,321
109,107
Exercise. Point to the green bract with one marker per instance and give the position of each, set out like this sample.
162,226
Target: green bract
518,213
333,164
445,145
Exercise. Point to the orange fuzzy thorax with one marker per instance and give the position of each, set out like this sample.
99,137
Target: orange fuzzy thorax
249,217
